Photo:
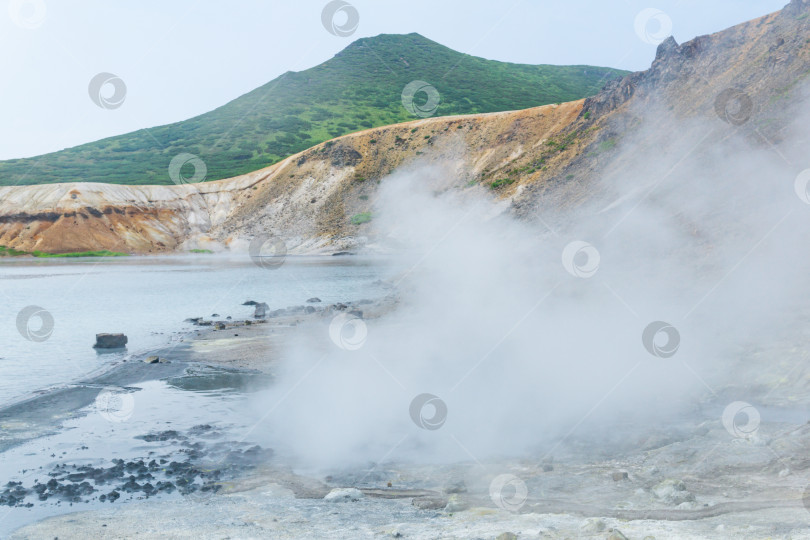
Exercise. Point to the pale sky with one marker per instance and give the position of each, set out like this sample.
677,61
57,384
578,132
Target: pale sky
181,58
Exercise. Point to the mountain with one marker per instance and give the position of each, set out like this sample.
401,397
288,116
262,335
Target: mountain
641,137
360,88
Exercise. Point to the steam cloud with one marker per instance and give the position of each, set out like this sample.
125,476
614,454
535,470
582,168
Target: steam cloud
702,233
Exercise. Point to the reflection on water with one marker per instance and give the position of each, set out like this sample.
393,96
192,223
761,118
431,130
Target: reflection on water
148,298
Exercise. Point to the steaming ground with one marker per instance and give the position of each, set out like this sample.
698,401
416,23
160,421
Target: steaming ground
530,346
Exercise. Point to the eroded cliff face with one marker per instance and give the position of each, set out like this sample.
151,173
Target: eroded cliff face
552,159
307,199
60,218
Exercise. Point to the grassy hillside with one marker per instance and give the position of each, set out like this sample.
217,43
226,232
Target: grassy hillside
359,88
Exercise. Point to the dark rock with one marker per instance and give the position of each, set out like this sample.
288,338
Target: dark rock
340,307
345,157
220,326
357,313
249,303
215,314
314,300
152,359
668,47
260,311
193,320
341,253
110,341
310,309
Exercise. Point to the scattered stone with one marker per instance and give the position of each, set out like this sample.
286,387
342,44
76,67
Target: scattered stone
314,300
310,309
619,476
344,495
110,341
215,314
152,359
340,307
341,253
673,492
260,311
249,303
164,361
357,313
456,504
616,534
194,320
220,326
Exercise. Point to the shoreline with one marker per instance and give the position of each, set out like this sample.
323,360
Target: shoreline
203,344
696,483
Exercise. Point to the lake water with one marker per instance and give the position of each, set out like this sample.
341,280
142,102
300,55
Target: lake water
147,298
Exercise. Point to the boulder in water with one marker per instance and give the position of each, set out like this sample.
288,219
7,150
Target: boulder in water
260,311
110,341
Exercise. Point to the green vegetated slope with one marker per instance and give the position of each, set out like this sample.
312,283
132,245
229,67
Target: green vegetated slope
360,88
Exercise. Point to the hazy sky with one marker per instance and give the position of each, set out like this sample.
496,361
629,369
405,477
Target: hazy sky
185,57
